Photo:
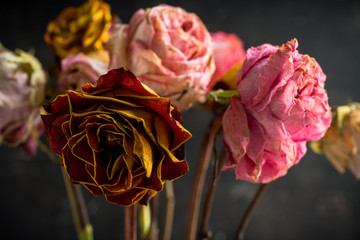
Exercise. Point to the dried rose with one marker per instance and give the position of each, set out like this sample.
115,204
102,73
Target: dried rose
341,143
169,49
229,55
22,90
118,138
80,29
282,104
79,69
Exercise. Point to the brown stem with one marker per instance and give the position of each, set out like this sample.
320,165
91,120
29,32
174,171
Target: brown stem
81,220
170,208
130,222
204,232
200,175
246,218
78,209
154,228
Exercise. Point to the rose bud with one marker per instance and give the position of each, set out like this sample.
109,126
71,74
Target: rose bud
79,69
81,29
22,91
169,49
117,138
341,143
282,104
229,55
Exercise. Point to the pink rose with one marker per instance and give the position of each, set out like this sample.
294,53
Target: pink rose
78,69
169,49
22,92
229,53
282,104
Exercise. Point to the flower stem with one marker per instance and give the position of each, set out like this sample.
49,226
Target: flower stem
144,220
130,220
246,219
170,208
81,220
200,175
154,228
53,157
204,231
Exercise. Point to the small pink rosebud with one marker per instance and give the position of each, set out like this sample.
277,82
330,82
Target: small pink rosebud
229,55
79,69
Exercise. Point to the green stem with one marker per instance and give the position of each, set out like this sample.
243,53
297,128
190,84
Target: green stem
144,220
246,219
200,175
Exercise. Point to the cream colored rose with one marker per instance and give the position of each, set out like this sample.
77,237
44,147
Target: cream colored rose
22,91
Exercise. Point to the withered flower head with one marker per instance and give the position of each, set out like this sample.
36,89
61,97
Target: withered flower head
341,143
118,138
81,29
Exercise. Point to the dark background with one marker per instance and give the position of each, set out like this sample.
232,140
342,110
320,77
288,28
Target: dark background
313,201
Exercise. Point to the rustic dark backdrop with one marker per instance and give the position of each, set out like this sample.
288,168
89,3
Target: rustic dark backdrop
313,201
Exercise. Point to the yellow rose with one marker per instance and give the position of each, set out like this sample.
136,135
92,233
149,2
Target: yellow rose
341,143
80,29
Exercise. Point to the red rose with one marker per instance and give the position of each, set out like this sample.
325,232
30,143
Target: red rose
118,138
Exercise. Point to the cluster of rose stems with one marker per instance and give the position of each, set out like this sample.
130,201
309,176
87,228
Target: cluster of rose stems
146,219
147,216
193,231
79,212
78,208
203,232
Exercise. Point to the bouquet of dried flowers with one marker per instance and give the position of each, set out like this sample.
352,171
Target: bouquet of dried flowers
113,117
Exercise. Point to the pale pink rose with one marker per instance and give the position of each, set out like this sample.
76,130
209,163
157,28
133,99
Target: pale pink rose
228,53
78,69
282,104
22,91
168,49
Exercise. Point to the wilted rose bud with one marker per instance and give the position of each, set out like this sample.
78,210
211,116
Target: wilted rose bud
169,49
22,91
80,29
229,55
79,69
341,143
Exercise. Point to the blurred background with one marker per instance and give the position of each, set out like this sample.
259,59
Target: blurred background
313,201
